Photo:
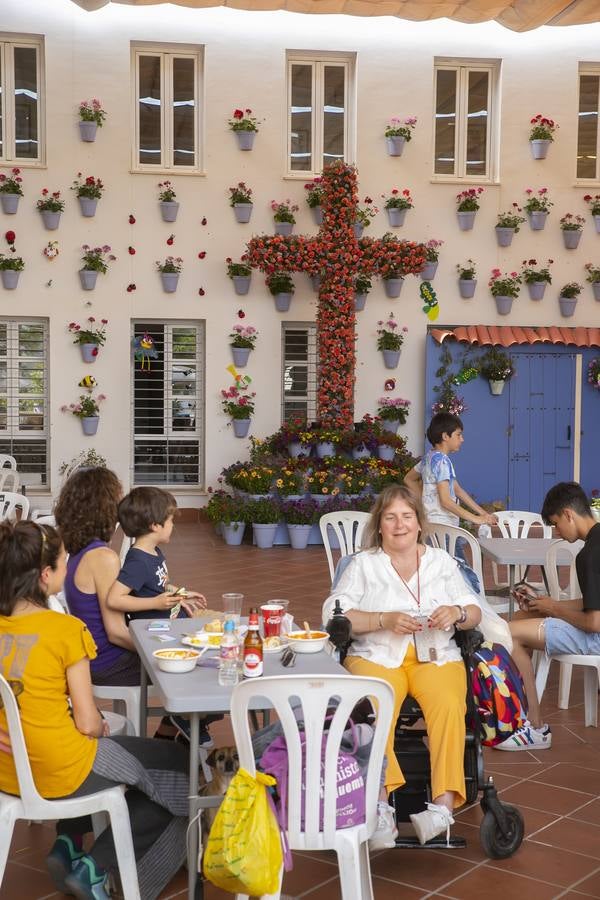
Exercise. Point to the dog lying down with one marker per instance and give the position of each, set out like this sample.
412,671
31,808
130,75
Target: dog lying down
224,763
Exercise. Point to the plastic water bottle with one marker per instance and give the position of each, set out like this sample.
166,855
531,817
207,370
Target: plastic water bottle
229,671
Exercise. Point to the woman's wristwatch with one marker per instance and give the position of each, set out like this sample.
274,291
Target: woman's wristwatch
463,615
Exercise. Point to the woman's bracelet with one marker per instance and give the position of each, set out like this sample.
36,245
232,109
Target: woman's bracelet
380,621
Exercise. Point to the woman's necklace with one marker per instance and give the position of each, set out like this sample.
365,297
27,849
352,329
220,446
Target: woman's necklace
416,597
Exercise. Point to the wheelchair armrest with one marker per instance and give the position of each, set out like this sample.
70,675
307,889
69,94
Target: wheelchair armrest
468,641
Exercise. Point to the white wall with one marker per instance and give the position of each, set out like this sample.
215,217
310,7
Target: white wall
88,54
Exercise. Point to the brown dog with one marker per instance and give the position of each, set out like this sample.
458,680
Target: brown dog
224,763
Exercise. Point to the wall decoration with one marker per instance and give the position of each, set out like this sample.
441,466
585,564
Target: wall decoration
11,191
467,206
242,341
396,205
169,206
245,127
567,299
504,288
397,133
131,287
571,227
201,292
393,410
541,135
87,410
144,351
170,270
95,262
448,400
390,340
497,367
204,221
240,199
432,255
10,238
170,240
240,274
314,199
281,288
88,192
389,384
594,204
537,206
50,206
467,279
131,219
508,225
239,405
363,216
88,382
202,254
10,269
131,251
51,250
593,278
430,302
283,216
91,117
90,337
536,277
362,286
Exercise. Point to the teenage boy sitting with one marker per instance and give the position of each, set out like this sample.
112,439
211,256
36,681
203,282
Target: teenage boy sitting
558,626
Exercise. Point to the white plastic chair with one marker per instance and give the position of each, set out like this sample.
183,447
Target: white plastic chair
516,524
591,674
8,461
10,480
315,693
126,542
348,527
10,502
30,805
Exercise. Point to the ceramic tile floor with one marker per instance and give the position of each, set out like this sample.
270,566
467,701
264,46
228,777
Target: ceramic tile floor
558,790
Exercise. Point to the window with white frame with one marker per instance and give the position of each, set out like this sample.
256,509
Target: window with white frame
299,374
588,136
24,396
168,403
167,108
321,111
465,120
21,113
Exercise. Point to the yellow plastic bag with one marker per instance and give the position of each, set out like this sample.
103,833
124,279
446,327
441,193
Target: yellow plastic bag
243,854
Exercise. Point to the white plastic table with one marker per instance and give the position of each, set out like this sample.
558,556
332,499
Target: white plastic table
199,692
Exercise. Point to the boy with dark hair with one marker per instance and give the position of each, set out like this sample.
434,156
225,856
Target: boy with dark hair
435,476
558,626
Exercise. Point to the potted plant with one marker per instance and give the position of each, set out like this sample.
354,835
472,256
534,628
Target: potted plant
50,206
537,206
95,260
283,216
239,406
264,515
300,516
508,225
169,206
467,206
289,482
228,511
432,255
397,133
364,214
87,411
504,289
296,437
245,127
90,338
467,281
497,367
388,445
240,199
364,440
91,117
170,270
328,442
324,482
567,299
240,273
88,192
396,206
362,286
242,340
593,278
541,135
390,340
10,191
571,227
314,198
10,269
281,286
536,277
392,411
594,376
594,204
87,459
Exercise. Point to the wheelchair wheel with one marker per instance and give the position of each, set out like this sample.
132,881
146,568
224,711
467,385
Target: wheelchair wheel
497,845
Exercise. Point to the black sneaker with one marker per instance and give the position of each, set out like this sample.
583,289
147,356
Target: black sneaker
183,728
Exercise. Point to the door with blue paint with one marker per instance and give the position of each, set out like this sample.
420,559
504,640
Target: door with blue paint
542,413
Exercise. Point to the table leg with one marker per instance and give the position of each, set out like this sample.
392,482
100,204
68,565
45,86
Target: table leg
511,585
193,807
143,723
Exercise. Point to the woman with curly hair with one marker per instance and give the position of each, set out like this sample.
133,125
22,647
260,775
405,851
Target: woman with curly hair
86,515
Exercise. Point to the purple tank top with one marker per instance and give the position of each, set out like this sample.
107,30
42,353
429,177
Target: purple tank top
87,608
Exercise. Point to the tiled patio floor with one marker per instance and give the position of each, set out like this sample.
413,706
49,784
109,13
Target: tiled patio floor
557,790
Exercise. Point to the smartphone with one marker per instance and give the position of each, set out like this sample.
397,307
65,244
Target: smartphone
524,593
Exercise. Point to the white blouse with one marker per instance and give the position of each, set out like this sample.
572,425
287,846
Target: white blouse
371,584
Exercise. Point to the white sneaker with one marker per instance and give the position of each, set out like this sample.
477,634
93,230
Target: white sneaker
384,836
431,822
528,738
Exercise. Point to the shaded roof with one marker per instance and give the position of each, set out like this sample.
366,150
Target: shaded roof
506,335
518,15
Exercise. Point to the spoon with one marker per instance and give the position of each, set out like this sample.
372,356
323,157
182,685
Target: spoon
306,627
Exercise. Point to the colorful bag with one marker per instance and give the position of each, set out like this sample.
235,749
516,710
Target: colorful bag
498,692
243,854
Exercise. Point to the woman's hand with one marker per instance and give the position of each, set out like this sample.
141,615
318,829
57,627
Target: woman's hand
445,617
164,601
399,623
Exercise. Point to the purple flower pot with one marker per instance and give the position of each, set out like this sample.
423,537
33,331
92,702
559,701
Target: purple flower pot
391,358
503,305
392,287
90,425
504,236
429,270
242,212
466,220
466,287
284,228
88,206
571,238
169,210
89,353
240,356
282,301
241,427
317,214
537,220
241,284
233,533
264,535
396,216
245,139
360,301
88,279
567,306
395,144
536,289
10,203
87,131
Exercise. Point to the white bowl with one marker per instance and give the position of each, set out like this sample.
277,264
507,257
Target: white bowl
176,659
301,643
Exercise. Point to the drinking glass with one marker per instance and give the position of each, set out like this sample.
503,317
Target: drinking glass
232,607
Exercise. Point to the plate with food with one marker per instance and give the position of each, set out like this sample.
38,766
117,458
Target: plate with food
274,644
210,636
177,659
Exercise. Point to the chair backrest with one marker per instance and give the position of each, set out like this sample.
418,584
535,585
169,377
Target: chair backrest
348,527
27,788
446,536
10,479
9,503
315,694
516,524
551,568
7,460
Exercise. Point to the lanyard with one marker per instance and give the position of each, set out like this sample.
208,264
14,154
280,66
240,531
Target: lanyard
417,597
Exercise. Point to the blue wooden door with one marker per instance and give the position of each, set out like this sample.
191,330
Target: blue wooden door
542,410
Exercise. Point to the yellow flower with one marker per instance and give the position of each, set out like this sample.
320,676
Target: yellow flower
279,482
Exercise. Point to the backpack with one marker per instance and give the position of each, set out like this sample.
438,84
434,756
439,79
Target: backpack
498,693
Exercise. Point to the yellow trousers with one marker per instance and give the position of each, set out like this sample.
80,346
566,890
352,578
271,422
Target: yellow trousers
440,691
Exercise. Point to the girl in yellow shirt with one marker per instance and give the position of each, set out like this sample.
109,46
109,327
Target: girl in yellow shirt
45,656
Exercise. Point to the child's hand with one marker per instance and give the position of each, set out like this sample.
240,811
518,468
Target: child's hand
165,601
194,603
487,519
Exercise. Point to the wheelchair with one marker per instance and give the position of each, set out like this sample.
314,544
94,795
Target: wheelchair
502,828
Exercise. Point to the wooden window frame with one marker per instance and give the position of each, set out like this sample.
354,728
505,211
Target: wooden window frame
8,44
592,69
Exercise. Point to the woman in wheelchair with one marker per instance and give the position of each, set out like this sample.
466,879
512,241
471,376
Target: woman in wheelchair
404,600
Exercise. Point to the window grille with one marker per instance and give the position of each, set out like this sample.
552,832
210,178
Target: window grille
299,390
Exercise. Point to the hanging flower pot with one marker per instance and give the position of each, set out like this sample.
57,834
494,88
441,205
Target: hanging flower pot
395,144
429,270
571,238
87,131
240,356
539,149
233,533
390,425
360,301
504,236
299,535
50,219
90,424
10,279
536,289
597,223
88,279
241,284
169,281
241,427
391,358
466,287
396,216
385,452
466,220
89,353
242,212
537,219
315,282
282,301
596,289
393,286
567,306
10,203
169,210
496,387
503,304
317,214
284,228
88,206
245,139
358,230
